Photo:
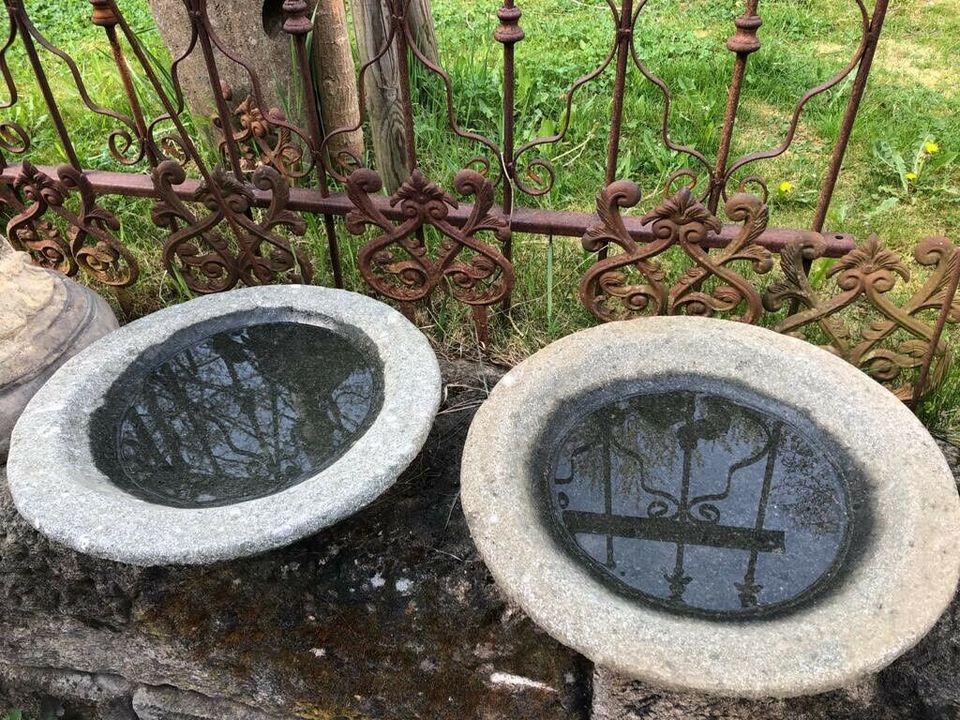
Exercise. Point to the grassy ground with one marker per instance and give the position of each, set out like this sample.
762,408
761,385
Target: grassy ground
891,186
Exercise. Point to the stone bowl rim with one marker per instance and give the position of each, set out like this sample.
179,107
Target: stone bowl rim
899,587
50,446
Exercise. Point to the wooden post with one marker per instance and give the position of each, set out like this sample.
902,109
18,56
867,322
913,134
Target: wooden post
421,23
382,88
336,78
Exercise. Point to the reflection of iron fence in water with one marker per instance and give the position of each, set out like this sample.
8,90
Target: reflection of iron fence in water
697,504
236,223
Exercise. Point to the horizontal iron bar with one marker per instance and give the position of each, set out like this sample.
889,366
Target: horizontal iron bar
674,531
525,220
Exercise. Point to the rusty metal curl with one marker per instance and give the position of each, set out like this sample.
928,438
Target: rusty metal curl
896,341
608,291
89,244
252,251
397,262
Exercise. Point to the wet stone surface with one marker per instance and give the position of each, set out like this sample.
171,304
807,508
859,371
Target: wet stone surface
388,615
701,504
242,414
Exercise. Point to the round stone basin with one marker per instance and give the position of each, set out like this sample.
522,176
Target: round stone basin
225,426
712,507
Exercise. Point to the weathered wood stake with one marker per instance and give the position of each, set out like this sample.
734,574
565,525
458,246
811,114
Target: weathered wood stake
336,78
382,91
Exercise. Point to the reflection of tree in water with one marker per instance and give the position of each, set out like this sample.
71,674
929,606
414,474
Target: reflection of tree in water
246,413
809,488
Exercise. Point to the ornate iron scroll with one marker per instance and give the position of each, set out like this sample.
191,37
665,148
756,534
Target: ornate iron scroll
222,233
89,243
260,140
398,263
609,291
893,347
201,253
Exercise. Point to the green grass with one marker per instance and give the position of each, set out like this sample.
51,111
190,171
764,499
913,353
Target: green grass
889,187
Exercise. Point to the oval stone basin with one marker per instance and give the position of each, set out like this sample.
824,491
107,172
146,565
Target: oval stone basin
709,506
225,426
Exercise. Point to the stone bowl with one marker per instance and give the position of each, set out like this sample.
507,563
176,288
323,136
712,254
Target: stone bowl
712,507
45,319
225,426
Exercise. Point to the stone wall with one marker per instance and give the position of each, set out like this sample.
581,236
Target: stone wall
390,615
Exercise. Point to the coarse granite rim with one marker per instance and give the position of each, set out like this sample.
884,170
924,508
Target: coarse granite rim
57,487
903,578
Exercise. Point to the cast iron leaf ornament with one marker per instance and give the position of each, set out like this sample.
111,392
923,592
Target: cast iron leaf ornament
261,141
92,240
896,342
681,220
733,289
89,245
31,196
200,252
606,289
398,262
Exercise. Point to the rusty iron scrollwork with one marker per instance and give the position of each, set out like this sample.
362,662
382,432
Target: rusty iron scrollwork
899,341
260,140
203,255
398,263
31,232
89,243
611,289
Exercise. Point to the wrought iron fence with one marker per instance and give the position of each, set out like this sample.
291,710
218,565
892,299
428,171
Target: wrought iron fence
236,222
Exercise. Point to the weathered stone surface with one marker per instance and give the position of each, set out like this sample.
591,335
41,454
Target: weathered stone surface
898,579
45,318
59,486
86,636
921,685
252,30
165,703
616,698
931,670
389,615
37,691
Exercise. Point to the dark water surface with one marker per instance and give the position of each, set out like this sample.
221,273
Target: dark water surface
242,414
700,504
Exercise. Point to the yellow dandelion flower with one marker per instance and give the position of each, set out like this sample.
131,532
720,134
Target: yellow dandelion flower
911,177
931,148
786,187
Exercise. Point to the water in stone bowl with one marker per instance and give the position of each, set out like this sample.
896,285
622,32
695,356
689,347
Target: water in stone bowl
709,506
237,416
702,503
225,426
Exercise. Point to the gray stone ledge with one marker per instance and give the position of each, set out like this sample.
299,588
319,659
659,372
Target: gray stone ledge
389,615
166,703
119,627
